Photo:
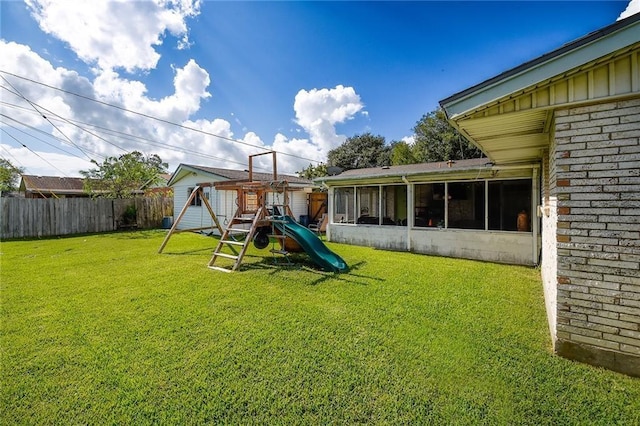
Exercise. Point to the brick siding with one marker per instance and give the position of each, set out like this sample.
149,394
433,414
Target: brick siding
596,161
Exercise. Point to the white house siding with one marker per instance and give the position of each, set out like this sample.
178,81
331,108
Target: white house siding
597,184
195,216
297,202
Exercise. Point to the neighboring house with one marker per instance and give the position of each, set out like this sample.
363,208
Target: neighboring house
223,203
159,189
52,187
562,137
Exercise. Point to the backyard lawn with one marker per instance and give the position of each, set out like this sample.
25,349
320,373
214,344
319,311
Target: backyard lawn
102,329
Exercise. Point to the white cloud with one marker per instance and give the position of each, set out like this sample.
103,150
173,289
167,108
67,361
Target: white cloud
106,131
319,110
409,140
55,165
301,150
190,87
115,33
632,8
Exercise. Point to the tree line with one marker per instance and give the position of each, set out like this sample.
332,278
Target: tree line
434,140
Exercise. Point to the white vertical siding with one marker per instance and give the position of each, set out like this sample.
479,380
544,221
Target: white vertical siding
195,216
298,204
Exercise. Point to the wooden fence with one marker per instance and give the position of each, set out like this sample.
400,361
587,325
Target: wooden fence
33,217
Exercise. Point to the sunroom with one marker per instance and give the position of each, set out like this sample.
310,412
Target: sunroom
468,208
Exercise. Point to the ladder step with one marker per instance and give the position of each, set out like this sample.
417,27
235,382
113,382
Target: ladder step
218,268
243,219
233,242
228,256
282,237
239,230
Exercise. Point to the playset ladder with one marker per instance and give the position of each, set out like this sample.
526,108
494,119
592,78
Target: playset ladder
227,241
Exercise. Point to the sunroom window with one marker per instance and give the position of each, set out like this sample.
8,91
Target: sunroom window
510,205
429,205
367,204
343,201
394,205
466,205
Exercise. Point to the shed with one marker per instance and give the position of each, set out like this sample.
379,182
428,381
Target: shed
188,176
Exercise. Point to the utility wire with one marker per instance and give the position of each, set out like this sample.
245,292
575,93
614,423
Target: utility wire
32,151
163,145
66,121
157,118
8,152
124,135
34,137
23,174
43,116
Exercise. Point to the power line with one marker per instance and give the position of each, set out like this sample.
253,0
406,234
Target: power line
35,137
43,116
156,118
160,144
8,152
32,151
65,120
124,135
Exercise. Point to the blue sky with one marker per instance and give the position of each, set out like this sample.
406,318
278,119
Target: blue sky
297,77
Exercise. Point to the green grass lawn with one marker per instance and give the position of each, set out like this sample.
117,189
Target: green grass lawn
102,329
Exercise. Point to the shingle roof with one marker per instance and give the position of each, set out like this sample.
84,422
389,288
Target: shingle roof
55,184
410,169
244,175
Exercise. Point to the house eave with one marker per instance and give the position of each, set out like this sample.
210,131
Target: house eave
489,170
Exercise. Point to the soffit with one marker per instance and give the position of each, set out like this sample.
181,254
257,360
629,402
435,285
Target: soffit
510,137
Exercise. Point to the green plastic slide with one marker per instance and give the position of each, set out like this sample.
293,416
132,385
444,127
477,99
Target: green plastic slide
311,244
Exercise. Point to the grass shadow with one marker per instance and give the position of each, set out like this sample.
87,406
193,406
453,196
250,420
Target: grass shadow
303,263
189,252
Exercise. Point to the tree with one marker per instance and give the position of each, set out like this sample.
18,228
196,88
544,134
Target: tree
9,176
124,176
312,172
401,153
361,151
437,140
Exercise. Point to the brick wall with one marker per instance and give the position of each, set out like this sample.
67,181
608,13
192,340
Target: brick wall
597,188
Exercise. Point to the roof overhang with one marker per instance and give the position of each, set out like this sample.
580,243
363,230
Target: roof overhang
184,170
485,171
509,116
